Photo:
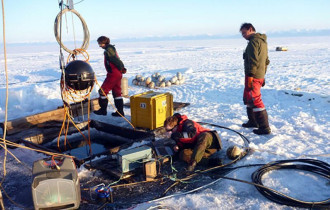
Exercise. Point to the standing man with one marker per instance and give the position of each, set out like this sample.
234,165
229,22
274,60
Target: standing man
192,140
255,66
115,70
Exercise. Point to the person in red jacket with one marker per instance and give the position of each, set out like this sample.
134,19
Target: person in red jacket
192,140
115,69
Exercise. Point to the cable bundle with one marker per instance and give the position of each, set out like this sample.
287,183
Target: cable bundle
310,165
70,95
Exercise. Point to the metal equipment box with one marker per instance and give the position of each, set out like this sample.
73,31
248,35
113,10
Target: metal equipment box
150,109
133,158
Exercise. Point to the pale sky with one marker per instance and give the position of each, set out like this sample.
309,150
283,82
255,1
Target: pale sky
33,20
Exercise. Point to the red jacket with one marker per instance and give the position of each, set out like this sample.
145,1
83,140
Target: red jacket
187,131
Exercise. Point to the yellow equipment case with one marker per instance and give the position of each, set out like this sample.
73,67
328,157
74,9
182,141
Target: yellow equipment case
150,109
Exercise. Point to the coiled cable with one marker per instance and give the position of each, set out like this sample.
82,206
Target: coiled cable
310,165
57,32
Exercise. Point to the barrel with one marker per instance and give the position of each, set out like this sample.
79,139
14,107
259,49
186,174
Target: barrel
124,86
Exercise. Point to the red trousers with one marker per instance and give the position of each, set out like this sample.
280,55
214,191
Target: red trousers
252,97
113,82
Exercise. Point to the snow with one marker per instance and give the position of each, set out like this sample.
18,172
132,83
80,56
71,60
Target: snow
296,96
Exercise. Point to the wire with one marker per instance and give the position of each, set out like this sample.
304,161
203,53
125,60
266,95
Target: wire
72,56
6,109
242,155
319,167
113,105
10,199
37,150
310,165
245,139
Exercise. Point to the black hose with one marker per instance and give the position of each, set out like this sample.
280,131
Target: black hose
245,139
310,165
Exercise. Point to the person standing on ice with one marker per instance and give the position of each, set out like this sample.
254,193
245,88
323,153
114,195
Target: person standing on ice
115,70
255,65
192,140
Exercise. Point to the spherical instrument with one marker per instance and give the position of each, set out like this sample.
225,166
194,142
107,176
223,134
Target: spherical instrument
79,75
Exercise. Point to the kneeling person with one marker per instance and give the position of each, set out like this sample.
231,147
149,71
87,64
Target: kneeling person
192,140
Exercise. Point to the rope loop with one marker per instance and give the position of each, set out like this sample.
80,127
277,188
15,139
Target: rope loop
57,30
73,56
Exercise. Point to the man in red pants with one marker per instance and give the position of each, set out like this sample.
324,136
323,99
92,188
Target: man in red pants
255,66
115,69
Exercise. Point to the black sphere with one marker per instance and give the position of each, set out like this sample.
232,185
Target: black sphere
79,75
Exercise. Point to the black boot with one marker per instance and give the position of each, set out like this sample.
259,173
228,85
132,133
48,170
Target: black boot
103,104
119,103
262,120
252,123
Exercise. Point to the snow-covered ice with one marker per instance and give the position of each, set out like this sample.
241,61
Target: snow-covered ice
296,96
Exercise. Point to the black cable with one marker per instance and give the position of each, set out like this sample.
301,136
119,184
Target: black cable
246,140
310,165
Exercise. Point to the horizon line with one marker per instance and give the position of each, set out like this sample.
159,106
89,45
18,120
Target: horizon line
290,33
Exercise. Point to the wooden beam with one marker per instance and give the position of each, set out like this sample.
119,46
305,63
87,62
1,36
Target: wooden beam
28,122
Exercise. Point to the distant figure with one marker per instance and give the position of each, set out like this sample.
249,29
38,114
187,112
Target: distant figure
192,140
255,66
115,69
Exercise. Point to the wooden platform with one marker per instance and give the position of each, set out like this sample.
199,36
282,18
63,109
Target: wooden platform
45,119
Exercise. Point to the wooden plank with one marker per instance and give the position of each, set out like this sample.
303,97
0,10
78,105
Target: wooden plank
27,122
44,132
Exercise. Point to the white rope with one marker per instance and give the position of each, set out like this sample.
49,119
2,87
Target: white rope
57,30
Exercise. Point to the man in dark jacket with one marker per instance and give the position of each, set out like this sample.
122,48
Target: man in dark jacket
115,69
192,140
255,66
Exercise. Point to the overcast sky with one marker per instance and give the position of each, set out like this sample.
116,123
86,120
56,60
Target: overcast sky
33,20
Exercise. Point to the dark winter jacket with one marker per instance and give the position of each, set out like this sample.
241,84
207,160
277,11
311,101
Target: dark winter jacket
256,56
111,59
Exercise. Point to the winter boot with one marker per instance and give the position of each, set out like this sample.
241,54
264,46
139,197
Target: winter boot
103,102
119,103
262,120
252,123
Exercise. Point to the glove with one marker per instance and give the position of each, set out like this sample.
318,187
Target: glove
263,84
176,148
250,81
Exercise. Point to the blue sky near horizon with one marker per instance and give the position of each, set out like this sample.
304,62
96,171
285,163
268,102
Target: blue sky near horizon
33,21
